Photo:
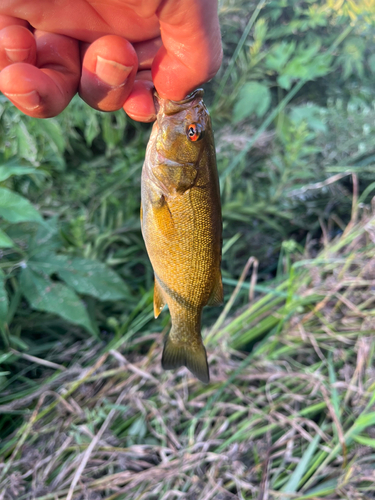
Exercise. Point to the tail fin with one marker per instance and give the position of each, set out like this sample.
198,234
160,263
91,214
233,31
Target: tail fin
194,358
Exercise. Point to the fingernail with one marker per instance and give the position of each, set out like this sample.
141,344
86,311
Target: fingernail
112,72
150,119
143,119
17,55
29,101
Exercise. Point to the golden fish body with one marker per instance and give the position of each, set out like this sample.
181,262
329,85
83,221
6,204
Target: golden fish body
182,226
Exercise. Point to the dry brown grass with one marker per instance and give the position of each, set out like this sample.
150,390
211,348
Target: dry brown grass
114,425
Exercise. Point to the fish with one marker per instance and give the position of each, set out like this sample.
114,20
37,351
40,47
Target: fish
182,225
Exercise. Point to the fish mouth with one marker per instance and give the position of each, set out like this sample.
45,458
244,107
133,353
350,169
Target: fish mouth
170,107
188,98
191,97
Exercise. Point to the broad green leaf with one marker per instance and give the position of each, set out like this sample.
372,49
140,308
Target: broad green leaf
88,277
45,238
16,208
279,55
255,98
311,114
94,278
3,300
5,241
44,294
47,264
36,237
306,64
7,171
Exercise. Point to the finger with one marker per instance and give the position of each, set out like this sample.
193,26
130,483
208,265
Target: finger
191,52
47,89
17,44
108,72
144,75
140,103
12,21
146,52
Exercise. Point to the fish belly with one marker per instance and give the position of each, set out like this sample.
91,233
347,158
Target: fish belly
182,247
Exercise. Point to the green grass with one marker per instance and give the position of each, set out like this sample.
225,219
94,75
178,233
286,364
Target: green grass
294,417
86,412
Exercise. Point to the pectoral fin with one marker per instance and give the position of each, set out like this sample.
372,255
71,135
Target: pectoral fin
159,301
176,178
217,295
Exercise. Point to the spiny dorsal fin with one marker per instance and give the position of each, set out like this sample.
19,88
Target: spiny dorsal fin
159,301
194,358
217,295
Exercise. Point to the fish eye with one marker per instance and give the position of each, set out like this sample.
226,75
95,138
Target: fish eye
194,132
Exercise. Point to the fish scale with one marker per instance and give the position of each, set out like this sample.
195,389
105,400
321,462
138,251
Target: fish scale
182,225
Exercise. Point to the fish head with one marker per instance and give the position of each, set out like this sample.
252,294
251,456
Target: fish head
181,130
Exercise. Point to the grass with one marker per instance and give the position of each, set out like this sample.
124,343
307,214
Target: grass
289,412
292,418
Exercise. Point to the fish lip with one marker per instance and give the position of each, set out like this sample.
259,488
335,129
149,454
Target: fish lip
188,98
170,107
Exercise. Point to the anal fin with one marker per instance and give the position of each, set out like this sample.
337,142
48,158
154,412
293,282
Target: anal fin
217,294
192,356
159,301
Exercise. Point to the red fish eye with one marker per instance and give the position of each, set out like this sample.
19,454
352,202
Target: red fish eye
193,132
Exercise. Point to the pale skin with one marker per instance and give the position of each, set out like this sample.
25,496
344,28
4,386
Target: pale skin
113,52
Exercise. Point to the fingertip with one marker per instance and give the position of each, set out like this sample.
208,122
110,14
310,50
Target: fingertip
175,78
31,91
140,103
108,72
46,90
12,21
17,44
192,50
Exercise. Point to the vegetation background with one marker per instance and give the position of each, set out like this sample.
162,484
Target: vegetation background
85,410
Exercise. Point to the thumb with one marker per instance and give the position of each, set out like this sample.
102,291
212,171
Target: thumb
191,52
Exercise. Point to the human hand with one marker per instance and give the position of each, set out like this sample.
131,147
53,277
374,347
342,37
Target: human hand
112,52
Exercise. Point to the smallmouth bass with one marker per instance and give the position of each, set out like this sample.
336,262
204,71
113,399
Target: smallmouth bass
182,225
